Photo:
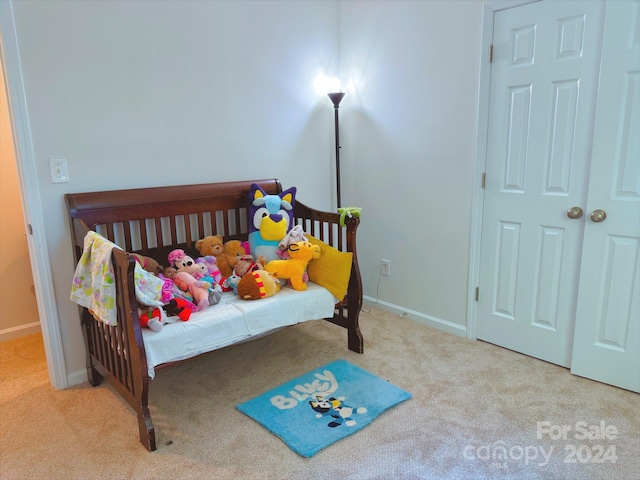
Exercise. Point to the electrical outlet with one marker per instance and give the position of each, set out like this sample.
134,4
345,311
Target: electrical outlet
385,267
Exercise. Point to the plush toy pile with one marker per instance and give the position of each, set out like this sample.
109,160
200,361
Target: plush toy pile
276,252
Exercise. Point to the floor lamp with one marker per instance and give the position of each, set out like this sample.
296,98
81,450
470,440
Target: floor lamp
336,98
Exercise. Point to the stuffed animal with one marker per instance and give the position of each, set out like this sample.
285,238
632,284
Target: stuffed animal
293,269
179,307
270,217
198,289
246,264
213,245
213,272
236,248
148,263
154,318
257,284
296,234
184,263
230,284
348,212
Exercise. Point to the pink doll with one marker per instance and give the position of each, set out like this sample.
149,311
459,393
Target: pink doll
198,289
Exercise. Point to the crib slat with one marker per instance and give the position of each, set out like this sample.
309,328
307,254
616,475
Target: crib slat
126,226
109,349
234,225
113,350
174,230
187,229
200,226
110,234
121,363
159,233
99,340
144,240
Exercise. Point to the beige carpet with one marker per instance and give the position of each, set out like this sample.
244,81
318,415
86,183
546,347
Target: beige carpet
468,399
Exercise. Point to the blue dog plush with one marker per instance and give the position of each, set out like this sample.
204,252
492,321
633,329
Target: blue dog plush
270,218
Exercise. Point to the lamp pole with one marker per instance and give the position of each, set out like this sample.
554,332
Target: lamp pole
336,98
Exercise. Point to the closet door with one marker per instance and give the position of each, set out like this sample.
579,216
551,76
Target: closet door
542,102
606,345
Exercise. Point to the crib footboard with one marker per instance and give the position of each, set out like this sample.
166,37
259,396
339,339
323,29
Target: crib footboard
117,354
326,227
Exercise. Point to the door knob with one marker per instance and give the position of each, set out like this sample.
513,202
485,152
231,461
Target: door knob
598,216
574,212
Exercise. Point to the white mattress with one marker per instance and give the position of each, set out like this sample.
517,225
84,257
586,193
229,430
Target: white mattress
233,320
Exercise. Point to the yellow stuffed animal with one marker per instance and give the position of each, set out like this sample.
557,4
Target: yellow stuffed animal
293,269
257,284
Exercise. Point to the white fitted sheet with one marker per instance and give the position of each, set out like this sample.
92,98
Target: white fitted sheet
234,320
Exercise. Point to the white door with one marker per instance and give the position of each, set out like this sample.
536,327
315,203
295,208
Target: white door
607,333
542,102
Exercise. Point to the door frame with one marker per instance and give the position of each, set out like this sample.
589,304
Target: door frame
489,10
30,198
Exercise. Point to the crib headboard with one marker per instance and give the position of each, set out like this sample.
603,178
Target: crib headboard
150,221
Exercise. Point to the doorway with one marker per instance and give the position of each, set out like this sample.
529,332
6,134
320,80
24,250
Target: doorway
19,318
27,176
555,281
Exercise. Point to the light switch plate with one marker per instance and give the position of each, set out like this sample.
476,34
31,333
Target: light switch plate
59,173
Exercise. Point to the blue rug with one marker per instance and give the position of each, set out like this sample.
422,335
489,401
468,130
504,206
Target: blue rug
319,408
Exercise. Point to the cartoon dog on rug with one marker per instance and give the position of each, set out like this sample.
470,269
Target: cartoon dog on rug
336,410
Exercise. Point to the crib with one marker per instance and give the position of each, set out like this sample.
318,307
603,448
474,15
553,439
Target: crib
155,220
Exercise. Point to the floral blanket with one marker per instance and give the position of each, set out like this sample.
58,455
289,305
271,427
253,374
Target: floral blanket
93,284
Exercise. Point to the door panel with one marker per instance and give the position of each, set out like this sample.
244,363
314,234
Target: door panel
542,102
607,334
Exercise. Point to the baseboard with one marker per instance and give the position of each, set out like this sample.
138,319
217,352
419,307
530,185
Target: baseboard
19,331
429,320
77,377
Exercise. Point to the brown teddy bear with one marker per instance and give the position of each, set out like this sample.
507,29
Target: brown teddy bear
235,248
148,263
213,245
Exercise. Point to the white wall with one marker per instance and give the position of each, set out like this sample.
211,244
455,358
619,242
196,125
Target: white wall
178,92
408,148
172,92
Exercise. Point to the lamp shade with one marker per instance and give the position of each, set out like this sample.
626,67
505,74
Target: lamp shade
336,98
